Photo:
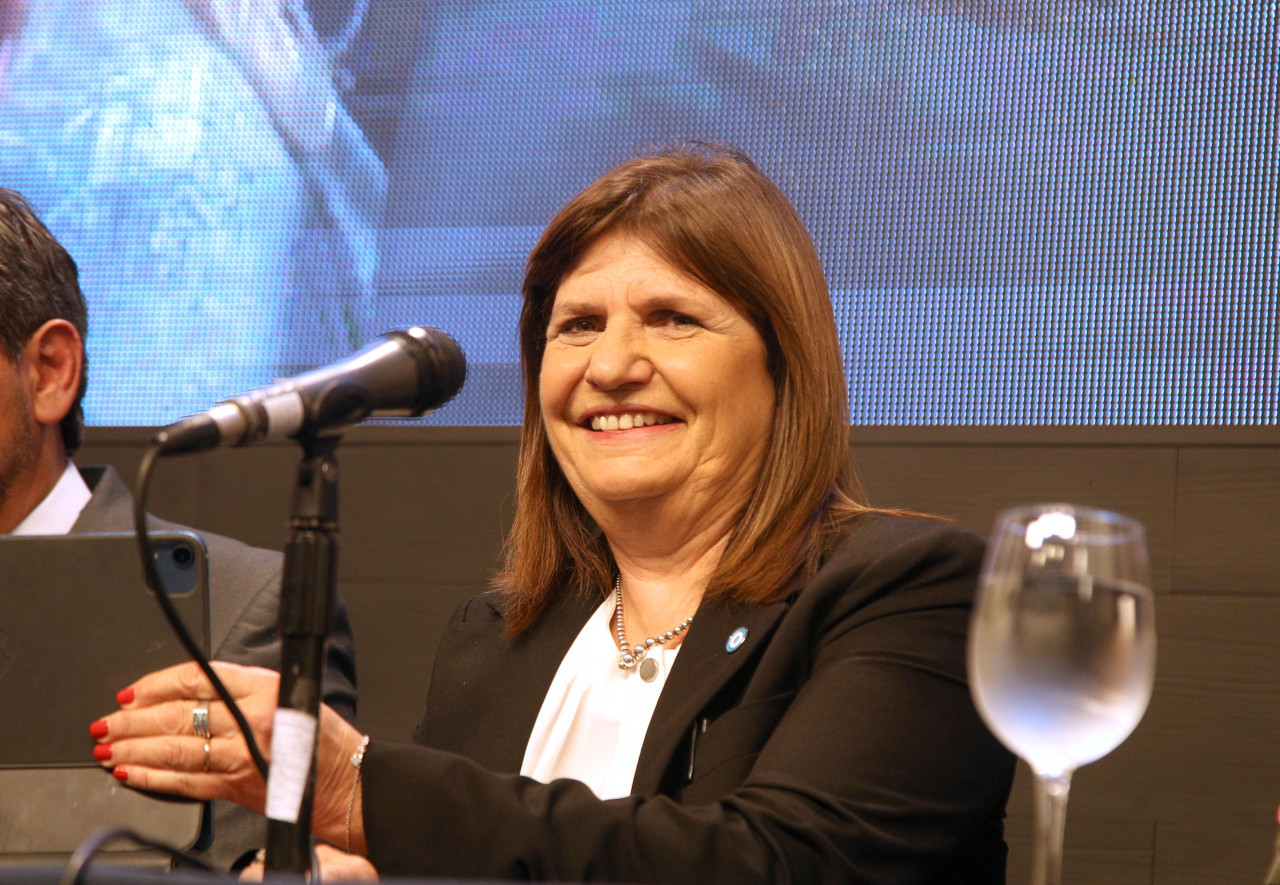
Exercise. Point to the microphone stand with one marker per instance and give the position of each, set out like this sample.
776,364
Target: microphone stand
308,596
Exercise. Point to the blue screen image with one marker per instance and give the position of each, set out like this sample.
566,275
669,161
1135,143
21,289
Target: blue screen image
1039,212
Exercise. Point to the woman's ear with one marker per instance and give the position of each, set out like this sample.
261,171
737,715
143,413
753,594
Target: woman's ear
53,357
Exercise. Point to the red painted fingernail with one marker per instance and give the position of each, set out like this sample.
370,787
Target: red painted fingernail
125,696
98,729
120,774
102,752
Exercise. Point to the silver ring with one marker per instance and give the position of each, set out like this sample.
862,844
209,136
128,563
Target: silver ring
205,767
200,721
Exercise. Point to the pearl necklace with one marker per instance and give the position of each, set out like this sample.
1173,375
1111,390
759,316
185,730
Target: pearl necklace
633,657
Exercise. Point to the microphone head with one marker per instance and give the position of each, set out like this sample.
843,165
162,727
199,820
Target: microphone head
404,374
442,366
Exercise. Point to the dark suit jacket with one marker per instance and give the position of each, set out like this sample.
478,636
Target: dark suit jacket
244,603
837,744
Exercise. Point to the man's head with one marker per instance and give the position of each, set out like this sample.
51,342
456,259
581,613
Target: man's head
42,366
38,283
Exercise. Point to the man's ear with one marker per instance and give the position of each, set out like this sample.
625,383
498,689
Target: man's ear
53,358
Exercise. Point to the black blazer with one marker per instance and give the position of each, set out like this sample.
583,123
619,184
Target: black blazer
838,743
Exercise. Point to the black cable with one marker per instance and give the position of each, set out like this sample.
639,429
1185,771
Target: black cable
77,864
197,654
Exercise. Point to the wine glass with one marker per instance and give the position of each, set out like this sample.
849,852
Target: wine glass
1062,648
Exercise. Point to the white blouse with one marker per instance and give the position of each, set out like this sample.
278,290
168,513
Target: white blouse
595,715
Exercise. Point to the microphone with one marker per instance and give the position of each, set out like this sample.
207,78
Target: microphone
405,373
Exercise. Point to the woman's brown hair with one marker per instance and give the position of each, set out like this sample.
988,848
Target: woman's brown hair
708,211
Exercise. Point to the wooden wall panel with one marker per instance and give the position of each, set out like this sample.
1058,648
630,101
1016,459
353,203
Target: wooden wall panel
1205,753
1213,850
453,506
1098,851
1228,530
972,483
1207,744
244,493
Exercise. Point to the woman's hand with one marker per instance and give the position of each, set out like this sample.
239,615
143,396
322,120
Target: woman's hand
151,742
335,866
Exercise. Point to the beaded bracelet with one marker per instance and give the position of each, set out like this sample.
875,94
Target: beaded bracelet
357,759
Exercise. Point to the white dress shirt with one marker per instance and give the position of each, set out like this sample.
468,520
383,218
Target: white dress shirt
595,715
60,509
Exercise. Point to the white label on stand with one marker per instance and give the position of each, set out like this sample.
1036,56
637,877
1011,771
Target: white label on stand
293,739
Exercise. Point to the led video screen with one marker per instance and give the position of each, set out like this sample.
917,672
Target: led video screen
1029,211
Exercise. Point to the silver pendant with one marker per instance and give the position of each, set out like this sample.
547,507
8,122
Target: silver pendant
648,669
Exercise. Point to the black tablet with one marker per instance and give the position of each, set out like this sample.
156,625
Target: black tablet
77,624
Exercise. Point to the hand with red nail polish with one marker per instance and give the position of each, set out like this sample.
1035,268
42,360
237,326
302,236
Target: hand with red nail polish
154,745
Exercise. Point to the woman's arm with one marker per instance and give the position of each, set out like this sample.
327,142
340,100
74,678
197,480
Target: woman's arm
876,769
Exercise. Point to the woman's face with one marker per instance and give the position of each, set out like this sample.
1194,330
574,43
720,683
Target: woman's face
653,386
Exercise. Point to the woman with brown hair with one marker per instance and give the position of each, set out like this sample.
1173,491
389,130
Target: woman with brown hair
707,659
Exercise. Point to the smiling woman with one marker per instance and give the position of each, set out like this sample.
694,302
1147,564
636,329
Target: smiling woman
655,394
702,229
706,659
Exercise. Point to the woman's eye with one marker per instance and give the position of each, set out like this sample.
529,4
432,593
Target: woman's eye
577,327
678,321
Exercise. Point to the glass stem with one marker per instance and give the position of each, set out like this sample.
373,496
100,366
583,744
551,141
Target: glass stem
1051,821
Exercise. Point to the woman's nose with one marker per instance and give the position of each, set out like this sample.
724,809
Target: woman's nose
619,358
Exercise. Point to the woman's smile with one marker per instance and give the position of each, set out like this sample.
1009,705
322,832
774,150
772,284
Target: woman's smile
627,421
